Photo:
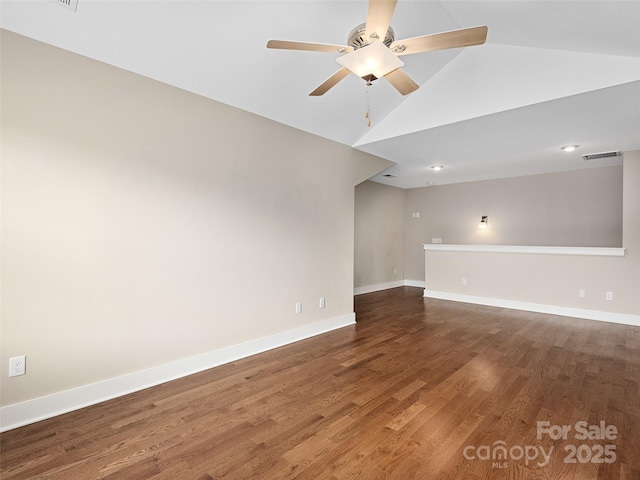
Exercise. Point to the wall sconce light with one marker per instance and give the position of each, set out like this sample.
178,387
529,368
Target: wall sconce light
484,222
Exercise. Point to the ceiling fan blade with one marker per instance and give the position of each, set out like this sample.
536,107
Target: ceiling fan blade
330,82
440,41
379,17
312,47
401,81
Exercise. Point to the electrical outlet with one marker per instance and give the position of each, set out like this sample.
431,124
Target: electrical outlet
17,366
463,282
608,296
582,293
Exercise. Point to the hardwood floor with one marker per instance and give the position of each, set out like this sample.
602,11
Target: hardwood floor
419,388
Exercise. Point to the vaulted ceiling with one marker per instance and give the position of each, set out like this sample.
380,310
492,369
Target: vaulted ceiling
551,73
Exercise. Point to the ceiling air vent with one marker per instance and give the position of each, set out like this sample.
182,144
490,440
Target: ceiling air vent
68,4
596,156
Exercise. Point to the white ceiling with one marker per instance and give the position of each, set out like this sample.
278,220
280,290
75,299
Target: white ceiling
551,73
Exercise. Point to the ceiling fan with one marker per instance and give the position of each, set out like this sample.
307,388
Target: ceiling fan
372,51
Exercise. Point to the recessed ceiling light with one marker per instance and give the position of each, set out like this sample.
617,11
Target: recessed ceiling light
569,148
437,168
429,184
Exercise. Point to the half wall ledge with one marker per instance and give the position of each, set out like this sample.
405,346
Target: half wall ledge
596,283
599,251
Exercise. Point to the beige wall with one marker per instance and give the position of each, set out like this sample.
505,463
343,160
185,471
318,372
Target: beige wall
551,279
142,224
577,208
631,224
379,234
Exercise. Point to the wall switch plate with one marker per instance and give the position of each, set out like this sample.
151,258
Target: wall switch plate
298,307
17,366
582,293
321,303
608,295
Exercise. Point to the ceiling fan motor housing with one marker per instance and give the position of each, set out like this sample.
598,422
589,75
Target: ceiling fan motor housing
357,39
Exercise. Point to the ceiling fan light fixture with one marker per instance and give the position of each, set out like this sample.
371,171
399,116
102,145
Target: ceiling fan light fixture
375,59
372,52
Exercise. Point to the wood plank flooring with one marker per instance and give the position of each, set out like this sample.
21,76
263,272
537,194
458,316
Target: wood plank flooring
419,388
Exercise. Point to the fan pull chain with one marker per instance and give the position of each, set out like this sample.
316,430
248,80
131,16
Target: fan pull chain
367,113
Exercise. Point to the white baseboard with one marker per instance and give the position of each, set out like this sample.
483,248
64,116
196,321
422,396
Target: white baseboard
622,318
41,408
378,287
388,285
